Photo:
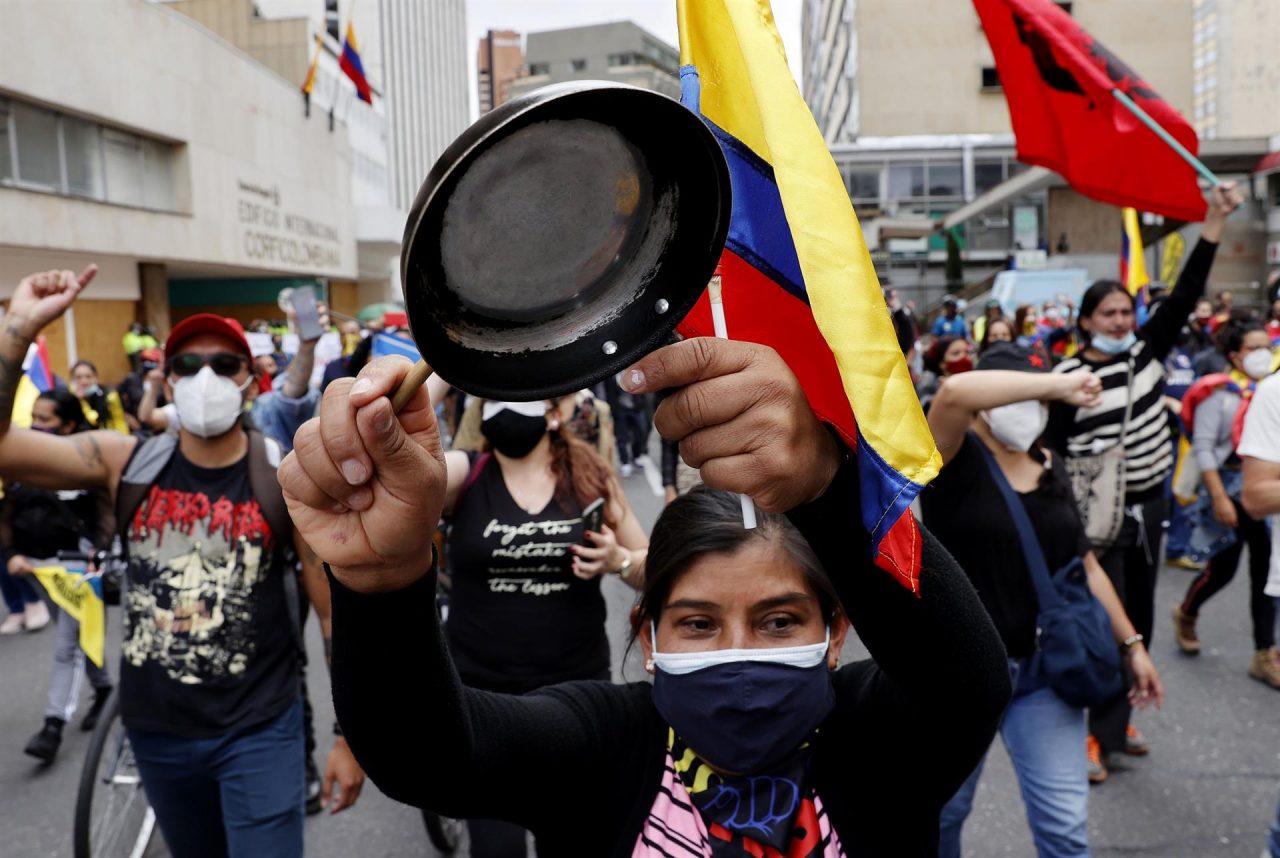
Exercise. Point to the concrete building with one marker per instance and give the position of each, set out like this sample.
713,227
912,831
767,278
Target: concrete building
621,51
187,171
499,61
830,56
1236,67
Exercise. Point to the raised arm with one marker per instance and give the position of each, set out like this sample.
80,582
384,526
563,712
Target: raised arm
961,399
82,461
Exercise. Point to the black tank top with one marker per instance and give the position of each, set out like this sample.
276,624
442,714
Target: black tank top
519,618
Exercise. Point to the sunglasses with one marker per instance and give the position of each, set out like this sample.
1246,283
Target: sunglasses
222,363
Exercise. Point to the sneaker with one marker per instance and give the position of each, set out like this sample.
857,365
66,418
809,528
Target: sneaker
44,745
626,470
100,697
643,461
1184,631
37,616
313,787
1266,667
1135,744
1097,766
13,624
1186,562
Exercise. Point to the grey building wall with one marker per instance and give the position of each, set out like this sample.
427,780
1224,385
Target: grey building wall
620,51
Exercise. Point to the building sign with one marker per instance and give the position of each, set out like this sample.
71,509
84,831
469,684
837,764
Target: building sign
273,236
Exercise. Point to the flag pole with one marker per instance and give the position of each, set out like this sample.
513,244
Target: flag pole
722,331
1168,138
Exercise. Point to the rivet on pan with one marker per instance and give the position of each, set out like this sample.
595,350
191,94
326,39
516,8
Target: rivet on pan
662,306
610,347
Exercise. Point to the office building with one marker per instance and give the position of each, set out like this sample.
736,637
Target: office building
499,61
620,51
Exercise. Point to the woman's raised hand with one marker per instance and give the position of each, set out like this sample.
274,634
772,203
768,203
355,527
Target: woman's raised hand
1081,389
364,485
741,418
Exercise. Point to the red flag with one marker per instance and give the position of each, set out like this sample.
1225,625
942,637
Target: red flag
1058,80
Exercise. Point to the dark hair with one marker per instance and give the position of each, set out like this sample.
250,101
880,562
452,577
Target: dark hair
75,366
582,475
709,521
1231,336
934,354
986,333
67,408
1101,289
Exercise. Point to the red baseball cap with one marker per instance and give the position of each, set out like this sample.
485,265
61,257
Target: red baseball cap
207,323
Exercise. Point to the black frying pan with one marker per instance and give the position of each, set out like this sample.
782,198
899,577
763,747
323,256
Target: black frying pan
560,238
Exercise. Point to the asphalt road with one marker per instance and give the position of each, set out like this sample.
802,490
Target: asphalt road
1208,789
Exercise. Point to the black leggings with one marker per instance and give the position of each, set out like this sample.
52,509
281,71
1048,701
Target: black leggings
1222,568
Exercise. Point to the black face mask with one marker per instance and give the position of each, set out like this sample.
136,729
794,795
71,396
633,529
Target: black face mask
513,435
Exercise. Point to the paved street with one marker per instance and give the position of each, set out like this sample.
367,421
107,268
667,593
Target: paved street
1207,791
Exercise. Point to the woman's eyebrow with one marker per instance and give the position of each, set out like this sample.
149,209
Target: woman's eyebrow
693,605
780,601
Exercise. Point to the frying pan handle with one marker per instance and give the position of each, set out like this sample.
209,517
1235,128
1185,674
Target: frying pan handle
418,375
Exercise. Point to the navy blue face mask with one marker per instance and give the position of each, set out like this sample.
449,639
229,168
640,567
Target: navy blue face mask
743,715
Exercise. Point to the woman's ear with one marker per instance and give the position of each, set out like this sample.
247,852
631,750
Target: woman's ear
644,634
839,631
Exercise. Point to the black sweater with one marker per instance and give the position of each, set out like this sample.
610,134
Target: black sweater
580,763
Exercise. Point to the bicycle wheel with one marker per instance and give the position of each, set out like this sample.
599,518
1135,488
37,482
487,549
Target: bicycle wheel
113,818
445,833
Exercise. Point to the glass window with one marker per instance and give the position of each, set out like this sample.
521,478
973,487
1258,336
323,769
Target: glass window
946,180
906,180
123,155
157,170
38,160
990,78
536,69
986,175
863,183
82,143
616,60
579,65
6,166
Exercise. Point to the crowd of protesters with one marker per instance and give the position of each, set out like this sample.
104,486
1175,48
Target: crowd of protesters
1090,441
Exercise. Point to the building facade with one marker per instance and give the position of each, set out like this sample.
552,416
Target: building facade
830,51
499,62
620,51
1236,67
172,168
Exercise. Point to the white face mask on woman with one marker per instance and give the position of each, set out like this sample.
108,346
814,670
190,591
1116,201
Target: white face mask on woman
1257,363
1017,426
209,404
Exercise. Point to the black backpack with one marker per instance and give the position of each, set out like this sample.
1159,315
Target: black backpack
151,457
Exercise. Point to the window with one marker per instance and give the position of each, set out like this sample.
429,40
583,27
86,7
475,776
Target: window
38,160
946,180
616,60
863,183
906,180
986,175
82,152
123,156
1064,6
990,79
158,190
578,65
536,69
6,161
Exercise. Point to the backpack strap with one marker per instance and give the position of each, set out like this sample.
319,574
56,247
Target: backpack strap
264,457
477,467
146,462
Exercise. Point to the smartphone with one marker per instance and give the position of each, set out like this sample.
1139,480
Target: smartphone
307,313
593,517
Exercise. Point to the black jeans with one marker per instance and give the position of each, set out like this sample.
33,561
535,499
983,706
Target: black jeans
1222,568
1131,564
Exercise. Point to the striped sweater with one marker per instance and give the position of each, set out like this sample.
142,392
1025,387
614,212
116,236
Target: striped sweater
1076,432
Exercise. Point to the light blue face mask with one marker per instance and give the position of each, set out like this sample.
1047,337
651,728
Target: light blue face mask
1112,346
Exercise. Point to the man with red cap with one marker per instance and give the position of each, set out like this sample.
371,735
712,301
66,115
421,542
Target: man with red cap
209,685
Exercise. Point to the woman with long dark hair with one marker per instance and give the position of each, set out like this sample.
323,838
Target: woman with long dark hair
750,740
1218,404
36,524
1132,417
526,609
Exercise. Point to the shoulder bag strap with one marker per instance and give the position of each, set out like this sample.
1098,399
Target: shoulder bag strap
264,456
1031,551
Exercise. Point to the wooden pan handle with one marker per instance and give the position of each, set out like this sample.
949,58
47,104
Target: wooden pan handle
418,375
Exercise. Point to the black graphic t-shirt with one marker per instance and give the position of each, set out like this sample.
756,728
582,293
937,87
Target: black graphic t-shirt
519,618
208,646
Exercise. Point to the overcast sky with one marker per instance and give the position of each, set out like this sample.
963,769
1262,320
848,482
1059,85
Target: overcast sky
656,16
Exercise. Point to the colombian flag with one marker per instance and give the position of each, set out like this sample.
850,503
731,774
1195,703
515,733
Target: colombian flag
351,65
1133,264
80,595
796,272
37,378
309,83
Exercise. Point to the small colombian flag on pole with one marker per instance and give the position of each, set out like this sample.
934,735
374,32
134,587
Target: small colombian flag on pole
796,274
1133,265
352,66
36,378
310,82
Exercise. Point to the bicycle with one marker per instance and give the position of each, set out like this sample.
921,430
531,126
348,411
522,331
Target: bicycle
112,816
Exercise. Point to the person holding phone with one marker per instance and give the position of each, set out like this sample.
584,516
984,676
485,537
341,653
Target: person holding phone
526,609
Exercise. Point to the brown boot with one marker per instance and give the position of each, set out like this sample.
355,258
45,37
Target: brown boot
1184,631
1266,667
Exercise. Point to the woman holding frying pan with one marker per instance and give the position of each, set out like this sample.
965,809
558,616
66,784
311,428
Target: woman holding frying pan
526,609
750,735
